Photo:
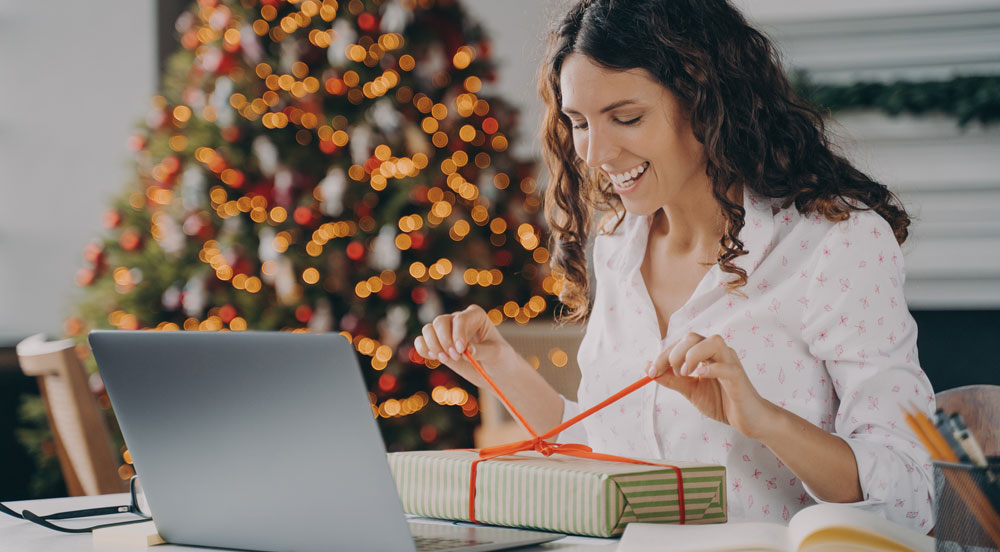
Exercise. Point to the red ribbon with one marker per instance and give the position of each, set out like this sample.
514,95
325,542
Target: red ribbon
541,444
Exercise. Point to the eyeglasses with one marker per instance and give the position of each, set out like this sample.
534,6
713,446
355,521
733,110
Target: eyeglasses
138,507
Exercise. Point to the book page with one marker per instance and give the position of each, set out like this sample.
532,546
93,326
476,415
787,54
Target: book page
842,527
723,537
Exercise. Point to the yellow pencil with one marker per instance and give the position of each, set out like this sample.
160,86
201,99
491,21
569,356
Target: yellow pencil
934,436
919,432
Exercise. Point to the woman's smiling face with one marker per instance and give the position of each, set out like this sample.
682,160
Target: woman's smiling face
632,128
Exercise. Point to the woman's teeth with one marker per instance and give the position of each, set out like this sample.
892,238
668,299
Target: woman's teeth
628,178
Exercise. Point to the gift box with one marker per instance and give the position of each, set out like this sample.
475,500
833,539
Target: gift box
581,496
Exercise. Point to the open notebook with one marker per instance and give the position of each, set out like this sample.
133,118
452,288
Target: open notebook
819,528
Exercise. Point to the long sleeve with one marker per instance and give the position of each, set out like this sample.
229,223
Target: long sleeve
857,323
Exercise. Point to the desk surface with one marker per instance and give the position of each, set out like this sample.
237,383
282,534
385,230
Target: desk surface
20,535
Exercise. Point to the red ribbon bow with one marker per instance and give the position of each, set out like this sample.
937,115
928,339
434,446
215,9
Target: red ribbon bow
541,444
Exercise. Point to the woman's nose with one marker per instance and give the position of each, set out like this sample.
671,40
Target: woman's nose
600,149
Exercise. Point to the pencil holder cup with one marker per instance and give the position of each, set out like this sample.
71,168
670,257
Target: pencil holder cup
966,502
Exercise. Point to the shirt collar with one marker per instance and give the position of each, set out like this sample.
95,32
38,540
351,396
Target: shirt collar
757,233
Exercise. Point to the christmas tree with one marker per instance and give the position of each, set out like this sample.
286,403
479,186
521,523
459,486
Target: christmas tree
328,166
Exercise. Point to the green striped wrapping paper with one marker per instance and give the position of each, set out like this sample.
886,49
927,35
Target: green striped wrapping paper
558,493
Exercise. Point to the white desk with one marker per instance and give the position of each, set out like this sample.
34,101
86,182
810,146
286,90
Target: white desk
23,536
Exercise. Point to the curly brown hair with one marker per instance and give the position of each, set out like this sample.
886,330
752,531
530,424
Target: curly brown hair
755,130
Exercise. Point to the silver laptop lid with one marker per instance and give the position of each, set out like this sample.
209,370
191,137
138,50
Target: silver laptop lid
253,440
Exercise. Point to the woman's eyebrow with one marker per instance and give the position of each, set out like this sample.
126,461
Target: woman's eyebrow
605,109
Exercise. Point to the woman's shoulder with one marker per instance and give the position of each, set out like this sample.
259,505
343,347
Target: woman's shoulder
863,227
860,247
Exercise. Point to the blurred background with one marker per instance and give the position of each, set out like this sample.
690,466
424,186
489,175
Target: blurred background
123,119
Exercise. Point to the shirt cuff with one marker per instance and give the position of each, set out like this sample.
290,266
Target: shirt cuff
575,433
866,469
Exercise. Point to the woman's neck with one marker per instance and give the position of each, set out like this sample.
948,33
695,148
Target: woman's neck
694,224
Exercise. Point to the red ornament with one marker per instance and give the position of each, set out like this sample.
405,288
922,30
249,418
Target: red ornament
230,133
92,252
387,382
327,147
85,276
111,218
303,215
335,86
428,433
367,22
190,40
439,378
490,125
303,313
237,179
388,292
355,251
417,239
227,313
241,266
502,257
413,355
136,142
130,240
419,295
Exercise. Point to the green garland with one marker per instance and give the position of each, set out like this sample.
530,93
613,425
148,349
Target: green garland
967,99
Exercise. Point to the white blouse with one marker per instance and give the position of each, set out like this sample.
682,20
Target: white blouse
823,331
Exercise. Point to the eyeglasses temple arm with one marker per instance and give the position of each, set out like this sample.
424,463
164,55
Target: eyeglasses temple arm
90,512
10,512
34,518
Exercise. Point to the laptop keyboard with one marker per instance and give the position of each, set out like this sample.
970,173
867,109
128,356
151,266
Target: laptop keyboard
428,544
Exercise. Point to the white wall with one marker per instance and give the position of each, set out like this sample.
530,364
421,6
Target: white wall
74,78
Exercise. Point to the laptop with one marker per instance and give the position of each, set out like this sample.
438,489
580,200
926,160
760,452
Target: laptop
265,441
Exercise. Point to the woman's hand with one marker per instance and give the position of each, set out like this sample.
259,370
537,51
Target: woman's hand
448,336
709,374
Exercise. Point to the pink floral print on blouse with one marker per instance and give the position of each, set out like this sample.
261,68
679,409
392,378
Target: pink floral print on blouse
823,331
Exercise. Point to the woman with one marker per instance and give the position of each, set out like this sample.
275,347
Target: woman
752,271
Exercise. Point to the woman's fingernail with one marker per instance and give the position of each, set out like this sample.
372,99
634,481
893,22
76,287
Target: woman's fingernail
460,345
454,354
443,357
652,371
698,371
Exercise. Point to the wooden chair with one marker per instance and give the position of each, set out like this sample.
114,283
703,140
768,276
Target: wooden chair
552,350
83,443
979,406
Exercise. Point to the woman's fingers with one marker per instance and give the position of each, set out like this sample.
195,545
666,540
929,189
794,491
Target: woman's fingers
466,328
448,336
708,351
434,349
442,327
661,365
421,346
691,355
678,355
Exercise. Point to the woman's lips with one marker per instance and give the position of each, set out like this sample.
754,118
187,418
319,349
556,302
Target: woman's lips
629,185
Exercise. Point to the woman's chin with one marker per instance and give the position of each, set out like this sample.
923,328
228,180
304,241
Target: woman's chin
634,206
